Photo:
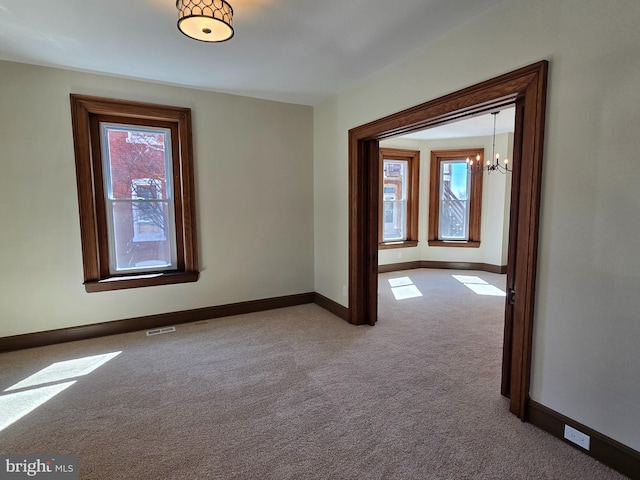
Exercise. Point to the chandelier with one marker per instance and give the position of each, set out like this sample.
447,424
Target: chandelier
490,167
205,20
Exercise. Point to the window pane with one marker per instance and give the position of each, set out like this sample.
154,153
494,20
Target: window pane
394,198
137,158
141,229
141,236
454,200
394,216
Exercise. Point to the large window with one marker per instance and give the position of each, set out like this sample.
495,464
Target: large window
400,172
455,199
135,190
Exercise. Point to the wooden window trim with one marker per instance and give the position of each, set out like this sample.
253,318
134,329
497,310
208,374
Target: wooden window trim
454,243
398,244
475,204
86,114
412,157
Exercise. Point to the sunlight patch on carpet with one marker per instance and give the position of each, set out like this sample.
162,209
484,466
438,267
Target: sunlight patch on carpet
45,384
479,286
400,281
56,372
16,405
403,288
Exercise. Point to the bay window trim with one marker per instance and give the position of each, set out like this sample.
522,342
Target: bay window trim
412,157
475,200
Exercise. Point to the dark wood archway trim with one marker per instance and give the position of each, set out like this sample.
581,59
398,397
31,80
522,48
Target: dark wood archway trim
527,88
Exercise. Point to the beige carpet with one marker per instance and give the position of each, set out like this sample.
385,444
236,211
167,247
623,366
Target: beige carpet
297,393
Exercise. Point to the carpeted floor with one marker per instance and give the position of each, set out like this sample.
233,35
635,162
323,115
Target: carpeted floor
295,393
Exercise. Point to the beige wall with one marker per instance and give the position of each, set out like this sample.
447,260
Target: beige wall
254,197
585,361
269,175
496,188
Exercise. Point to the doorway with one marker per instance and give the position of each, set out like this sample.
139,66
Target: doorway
526,87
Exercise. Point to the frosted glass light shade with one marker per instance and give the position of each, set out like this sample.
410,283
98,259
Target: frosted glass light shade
205,20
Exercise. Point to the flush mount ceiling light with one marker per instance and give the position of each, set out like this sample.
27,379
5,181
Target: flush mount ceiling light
205,20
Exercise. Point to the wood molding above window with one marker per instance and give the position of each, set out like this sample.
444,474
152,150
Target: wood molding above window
412,159
109,207
438,158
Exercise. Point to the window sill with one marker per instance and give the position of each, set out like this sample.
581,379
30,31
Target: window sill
454,243
141,280
401,244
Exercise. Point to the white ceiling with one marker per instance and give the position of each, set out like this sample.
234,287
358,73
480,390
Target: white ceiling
297,51
480,126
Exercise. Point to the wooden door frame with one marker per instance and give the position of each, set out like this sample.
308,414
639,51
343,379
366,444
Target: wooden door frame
527,88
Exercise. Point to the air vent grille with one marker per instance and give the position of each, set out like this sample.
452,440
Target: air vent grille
158,331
